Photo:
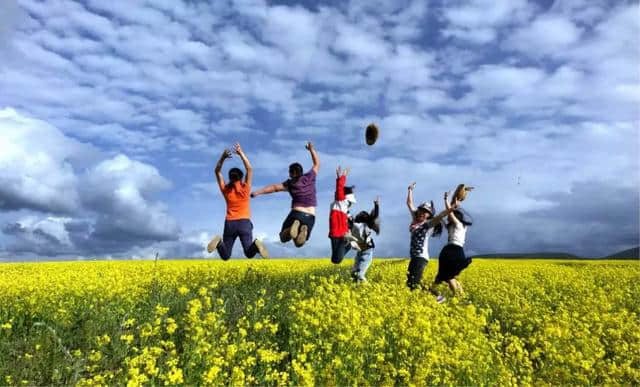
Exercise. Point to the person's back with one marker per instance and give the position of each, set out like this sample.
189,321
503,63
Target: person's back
237,195
302,190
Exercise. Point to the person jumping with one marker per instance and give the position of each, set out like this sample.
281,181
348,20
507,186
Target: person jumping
339,217
302,188
238,219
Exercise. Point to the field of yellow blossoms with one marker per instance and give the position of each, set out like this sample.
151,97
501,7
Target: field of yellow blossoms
302,322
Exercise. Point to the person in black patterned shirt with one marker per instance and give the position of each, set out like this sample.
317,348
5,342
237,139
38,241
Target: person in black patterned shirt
424,225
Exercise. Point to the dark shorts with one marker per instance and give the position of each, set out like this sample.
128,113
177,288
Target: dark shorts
304,218
451,262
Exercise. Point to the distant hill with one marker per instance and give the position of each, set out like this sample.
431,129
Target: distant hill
545,255
633,253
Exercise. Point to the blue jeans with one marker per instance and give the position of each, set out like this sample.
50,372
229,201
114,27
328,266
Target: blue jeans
361,264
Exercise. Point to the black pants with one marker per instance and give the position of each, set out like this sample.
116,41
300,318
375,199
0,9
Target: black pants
233,229
415,271
339,247
304,219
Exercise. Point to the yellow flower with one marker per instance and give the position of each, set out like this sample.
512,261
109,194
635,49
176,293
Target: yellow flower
175,376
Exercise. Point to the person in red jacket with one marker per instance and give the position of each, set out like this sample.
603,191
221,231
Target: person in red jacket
339,216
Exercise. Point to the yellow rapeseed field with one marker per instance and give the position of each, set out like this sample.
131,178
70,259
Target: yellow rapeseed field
303,322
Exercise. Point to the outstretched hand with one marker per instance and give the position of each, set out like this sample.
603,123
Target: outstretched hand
237,148
377,200
412,186
226,154
342,172
308,146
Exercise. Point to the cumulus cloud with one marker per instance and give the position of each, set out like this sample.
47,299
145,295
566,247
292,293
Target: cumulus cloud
474,91
108,207
35,165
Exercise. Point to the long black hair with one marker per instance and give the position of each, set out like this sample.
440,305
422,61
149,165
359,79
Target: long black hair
235,174
460,214
438,227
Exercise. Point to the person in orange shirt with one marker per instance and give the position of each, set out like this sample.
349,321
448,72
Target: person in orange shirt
237,194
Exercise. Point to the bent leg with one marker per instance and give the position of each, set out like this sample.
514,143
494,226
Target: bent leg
285,234
339,247
228,239
245,232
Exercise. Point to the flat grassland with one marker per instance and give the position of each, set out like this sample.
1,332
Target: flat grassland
301,322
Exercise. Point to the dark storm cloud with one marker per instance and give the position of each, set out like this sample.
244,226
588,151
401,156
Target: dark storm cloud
594,219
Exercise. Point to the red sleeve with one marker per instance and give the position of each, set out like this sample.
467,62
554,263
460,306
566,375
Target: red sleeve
340,187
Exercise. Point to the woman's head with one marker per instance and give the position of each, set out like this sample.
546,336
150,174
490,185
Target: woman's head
424,211
362,217
235,174
295,170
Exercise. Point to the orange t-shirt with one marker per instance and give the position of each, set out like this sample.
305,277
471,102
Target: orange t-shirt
237,196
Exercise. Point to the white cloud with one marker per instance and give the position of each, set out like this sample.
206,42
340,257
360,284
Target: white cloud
35,170
478,21
546,35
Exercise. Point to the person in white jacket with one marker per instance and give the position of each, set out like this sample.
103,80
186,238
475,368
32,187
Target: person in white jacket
361,229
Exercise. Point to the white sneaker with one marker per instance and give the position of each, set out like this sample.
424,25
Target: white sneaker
214,243
262,250
440,299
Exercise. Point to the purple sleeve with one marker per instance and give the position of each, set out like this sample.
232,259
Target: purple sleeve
310,176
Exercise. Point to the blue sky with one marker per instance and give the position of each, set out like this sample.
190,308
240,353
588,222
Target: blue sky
113,115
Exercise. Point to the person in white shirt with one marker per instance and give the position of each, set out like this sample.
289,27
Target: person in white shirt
452,259
361,229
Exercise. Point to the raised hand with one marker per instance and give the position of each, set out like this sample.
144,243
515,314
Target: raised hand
338,171
226,154
377,200
412,186
308,146
237,148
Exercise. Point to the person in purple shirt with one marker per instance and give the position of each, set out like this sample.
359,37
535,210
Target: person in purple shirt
302,188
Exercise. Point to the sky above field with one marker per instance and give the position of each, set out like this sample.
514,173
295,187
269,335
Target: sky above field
114,113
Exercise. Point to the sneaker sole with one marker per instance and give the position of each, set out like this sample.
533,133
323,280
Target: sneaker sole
262,250
294,230
302,236
285,235
213,244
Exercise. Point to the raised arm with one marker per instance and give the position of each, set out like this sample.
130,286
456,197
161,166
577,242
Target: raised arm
341,180
314,156
269,189
376,208
449,209
412,208
248,179
225,155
